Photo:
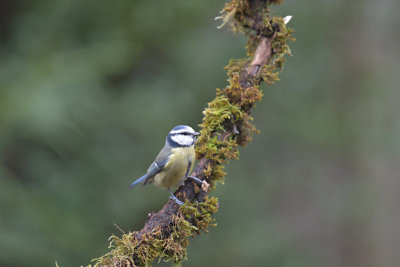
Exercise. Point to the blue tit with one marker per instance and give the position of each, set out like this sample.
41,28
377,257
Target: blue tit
174,162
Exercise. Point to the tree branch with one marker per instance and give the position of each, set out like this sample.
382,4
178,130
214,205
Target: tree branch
226,124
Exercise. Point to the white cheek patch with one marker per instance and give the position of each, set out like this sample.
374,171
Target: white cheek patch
183,140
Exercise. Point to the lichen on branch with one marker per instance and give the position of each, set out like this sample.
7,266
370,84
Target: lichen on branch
227,124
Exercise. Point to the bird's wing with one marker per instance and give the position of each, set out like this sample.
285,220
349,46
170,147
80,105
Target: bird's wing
155,168
159,164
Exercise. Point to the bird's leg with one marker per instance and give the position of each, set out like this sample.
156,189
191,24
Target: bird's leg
180,203
204,184
192,177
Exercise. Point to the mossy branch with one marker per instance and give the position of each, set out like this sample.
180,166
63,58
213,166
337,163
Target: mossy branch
226,125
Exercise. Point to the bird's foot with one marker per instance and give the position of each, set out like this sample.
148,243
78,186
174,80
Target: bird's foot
177,201
204,184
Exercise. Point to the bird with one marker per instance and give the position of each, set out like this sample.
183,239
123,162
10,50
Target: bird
174,162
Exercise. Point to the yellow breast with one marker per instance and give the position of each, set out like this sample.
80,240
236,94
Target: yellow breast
174,172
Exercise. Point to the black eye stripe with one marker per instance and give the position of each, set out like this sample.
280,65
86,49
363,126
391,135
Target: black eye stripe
182,133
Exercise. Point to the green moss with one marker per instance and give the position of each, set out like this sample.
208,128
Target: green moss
219,114
200,214
214,173
280,42
229,111
191,220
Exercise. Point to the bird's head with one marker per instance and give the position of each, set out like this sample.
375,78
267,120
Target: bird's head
182,136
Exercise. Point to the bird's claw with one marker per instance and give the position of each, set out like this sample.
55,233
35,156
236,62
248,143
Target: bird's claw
204,184
196,179
177,201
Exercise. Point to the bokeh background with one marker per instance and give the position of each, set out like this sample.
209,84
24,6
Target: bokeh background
89,89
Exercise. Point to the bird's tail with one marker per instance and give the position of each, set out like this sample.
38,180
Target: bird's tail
138,181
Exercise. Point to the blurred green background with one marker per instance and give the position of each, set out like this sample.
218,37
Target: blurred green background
89,89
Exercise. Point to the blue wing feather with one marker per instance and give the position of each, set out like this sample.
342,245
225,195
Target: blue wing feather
153,170
157,166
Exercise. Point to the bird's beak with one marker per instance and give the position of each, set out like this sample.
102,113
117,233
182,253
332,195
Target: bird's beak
196,133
